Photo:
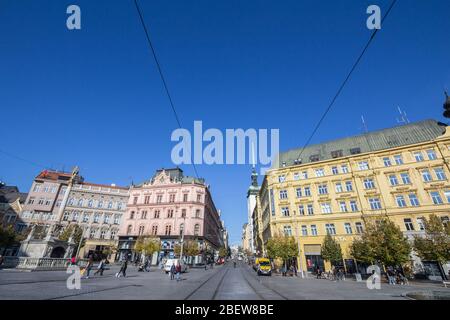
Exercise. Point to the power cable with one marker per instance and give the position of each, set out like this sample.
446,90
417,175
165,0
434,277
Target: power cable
347,78
158,66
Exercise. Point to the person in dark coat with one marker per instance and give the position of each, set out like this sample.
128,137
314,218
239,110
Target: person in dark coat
123,269
173,270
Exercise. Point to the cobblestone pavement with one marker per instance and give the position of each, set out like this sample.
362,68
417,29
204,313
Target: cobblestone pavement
220,283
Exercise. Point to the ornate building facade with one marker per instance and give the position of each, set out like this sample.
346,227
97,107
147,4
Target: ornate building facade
59,199
99,210
168,206
401,173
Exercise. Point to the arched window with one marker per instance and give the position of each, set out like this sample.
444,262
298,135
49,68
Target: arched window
155,230
181,229
80,202
141,230
129,229
168,230
90,203
196,229
132,215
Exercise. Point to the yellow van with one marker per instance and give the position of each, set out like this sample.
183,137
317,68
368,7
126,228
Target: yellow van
263,266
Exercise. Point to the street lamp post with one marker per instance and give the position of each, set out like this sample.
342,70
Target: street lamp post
182,239
299,252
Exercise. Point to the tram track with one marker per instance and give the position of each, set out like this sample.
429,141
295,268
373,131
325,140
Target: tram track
206,281
263,284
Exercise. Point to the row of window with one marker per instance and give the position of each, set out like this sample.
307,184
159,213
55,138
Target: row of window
42,201
91,203
95,233
96,217
40,187
159,198
363,165
368,183
36,215
330,228
157,214
167,229
402,201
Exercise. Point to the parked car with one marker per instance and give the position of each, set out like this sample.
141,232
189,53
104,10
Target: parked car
170,262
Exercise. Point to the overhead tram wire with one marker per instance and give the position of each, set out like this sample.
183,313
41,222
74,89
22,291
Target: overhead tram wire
346,80
22,159
158,66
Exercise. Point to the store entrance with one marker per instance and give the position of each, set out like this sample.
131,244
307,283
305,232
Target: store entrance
314,261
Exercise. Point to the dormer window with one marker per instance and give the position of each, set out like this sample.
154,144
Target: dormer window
336,154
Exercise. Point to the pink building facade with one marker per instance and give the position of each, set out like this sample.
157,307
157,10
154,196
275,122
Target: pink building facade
168,206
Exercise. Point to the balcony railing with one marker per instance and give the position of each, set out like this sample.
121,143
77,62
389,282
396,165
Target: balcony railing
27,263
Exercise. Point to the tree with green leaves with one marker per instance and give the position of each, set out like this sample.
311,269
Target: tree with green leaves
223,252
435,244
282,247
331,251
383,242
147,245
7,237
190,248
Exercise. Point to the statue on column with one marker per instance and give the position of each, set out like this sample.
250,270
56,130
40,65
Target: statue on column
31,233
49,232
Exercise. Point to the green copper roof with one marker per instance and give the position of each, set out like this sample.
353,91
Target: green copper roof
403,135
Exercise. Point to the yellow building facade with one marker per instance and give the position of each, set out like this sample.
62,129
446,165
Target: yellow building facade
330,188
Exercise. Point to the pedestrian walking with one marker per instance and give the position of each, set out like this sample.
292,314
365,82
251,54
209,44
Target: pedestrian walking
283,270
178,271
173,270
100,267
390,275
123,268
89,266
73,261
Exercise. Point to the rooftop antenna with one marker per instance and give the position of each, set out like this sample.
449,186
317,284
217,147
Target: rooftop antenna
364,125
403,117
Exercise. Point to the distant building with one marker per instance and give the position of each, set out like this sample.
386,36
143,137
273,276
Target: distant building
245,242
252,192
11,203
167,206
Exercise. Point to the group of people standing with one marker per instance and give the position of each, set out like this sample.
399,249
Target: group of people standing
396,276
175,271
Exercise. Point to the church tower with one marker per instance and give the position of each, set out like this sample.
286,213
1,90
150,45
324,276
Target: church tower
251,204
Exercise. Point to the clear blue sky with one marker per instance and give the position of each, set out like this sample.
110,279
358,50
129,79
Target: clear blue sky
93,97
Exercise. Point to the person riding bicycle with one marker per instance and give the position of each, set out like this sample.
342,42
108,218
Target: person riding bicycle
234,263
